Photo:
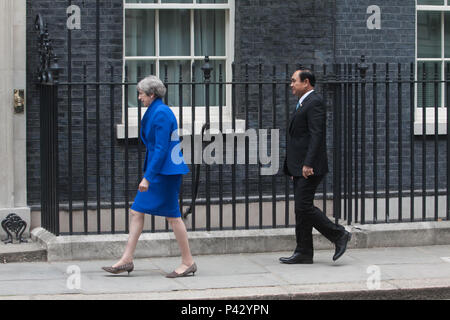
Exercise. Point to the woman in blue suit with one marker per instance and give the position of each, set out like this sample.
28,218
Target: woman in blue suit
164,166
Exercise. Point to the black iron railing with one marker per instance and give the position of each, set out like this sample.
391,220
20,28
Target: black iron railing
382,169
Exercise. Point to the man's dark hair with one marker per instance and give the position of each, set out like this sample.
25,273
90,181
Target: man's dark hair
307,74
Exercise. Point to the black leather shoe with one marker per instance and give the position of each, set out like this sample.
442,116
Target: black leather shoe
297,258
341,245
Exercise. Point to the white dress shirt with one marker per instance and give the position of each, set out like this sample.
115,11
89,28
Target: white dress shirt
303,98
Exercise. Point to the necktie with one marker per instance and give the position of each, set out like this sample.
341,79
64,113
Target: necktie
298,105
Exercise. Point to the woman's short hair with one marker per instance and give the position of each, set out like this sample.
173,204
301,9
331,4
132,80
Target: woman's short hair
152,85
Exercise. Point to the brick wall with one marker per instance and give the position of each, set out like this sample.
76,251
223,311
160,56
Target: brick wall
83,52
267,32
394,43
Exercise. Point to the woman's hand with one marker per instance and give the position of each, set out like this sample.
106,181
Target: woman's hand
143,186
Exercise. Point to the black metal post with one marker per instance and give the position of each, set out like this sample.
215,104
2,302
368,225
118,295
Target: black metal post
126,169
97,112
180,117
69,124
260,124
85,152
350,145
287,179
436,141
344,86
362,71
139,118
424,137
48,78
375,146
207,80
221,85
447,89
411,134
233,128
274,125
337,154
166,101
247,152
324,180
387,142
356,163
400,144
112,145
193,150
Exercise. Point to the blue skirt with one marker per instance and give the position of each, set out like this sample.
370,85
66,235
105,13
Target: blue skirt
161,198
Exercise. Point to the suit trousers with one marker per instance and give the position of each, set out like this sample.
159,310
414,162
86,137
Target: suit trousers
308,216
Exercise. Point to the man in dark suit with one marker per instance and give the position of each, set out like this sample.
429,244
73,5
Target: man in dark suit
306,163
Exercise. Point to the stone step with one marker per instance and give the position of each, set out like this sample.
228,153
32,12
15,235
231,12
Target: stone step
23,252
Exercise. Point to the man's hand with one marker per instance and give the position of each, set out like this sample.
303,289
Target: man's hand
143,186
307,171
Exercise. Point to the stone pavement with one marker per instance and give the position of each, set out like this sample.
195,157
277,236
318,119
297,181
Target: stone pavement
408,270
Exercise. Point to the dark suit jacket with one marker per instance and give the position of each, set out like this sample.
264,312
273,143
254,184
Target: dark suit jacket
306,138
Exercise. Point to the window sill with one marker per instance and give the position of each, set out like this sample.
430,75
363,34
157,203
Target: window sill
430,122
200,120
430,128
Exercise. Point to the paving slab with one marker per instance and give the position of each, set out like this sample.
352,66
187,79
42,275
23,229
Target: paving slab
418,271
30,271
248,275
442,251
34,287
232,281
325,274
395,255
142,281
226,264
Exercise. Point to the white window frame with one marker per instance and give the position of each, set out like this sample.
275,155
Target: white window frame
200,112
430,112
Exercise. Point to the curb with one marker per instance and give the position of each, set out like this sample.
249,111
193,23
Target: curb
337,291
89,247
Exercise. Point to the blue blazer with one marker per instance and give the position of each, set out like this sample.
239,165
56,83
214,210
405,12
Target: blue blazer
159,134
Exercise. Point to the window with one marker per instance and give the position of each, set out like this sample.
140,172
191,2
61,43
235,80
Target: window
164,37
432,56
